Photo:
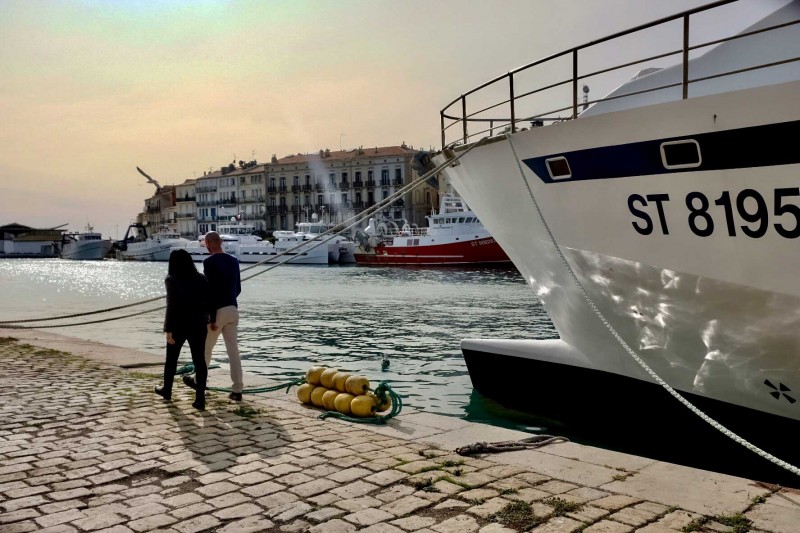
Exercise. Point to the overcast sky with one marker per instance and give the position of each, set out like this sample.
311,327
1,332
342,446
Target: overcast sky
90,89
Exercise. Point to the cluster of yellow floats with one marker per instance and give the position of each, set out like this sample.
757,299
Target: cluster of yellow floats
339,391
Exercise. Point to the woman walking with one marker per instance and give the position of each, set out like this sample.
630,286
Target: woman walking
186,320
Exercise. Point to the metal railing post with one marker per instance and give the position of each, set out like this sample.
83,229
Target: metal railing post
464,116
441,117
511,101
685,83
574,83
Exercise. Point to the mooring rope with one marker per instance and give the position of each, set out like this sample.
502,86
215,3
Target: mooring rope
706,418
352,221
383,392
537,441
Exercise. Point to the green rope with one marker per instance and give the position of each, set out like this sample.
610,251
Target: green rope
287,386
188,368
381,392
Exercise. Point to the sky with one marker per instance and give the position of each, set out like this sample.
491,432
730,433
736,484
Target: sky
91,89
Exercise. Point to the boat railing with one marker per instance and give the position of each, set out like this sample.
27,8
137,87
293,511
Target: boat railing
507,100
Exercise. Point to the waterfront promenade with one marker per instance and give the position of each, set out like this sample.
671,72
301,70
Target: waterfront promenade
85,445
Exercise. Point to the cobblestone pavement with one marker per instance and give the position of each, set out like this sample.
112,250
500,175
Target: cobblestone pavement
85,446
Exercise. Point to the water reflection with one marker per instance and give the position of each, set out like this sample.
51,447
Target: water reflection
347,317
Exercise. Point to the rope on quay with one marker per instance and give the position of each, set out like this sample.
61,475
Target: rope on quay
383,392
630,351
188,368
534,442
350,223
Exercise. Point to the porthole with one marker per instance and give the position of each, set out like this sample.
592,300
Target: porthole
680,154
558,168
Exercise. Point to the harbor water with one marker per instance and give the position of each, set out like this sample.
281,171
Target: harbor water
348,317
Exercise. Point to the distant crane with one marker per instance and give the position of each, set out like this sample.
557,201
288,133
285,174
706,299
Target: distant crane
149,179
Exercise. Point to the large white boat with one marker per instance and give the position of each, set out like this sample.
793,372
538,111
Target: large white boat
88,245
340,248
674,200
234,236
454,236
138,246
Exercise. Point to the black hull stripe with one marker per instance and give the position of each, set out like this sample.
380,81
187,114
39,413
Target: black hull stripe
757,146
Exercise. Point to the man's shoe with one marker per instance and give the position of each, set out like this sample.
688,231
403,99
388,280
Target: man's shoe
235,396
164,394
199,405
189,381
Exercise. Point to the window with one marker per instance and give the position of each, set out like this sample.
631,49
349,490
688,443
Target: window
358,175
344,198
398,174
283,181
680,154
369,175
344,177
332,178
296,180
385,177
320,199
558,167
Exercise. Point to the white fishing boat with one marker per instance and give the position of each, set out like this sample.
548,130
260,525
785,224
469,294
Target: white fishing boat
88,245
138,246
340,248
234,236
674,200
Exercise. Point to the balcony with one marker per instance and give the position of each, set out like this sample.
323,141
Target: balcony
320,186
297,210
207,188
358,205
272,189
185,215
371,184
229,202
358,184
296,188
186,199
282,188
397,181
307,187
344,184
272,210
252,200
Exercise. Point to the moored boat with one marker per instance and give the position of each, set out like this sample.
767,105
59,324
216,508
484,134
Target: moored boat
665,224
138,246
454,236
88,245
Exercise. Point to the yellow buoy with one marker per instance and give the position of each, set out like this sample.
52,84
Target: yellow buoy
328,398
313,374
357,385
316,395
362,406
342,403
326,378
304,392
339,381
380,407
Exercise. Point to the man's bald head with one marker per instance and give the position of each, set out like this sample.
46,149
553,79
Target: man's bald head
213,242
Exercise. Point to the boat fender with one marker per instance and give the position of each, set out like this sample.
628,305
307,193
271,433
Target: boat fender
304,392
342,403
357,385
313,374
328,399
326,378
363,405
339,381
316,396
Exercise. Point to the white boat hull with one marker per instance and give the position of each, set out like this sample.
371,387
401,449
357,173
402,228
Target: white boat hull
716,315
86,250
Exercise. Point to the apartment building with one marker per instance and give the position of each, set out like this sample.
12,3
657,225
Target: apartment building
335,186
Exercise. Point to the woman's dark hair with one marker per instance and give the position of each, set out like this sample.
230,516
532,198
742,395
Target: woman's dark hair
181,264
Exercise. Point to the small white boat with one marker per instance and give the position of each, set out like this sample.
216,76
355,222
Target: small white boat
88,245
138,246
233,235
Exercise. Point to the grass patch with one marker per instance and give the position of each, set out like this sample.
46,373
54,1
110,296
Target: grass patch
737,522
695,525
7,340
561,506
518,515
425,485
245,411
454,482
619,477
449,463
142,375
509,490
458,472
759,499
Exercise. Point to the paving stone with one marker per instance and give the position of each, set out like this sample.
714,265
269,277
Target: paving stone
142,511
63,517
413,523
99,521
198,523
22,503
181,500
355,489
559,524
251,524
615,502
216,489
405,505
496,528
607,526
239,511
632,516
458,524
20,527
289,511
152,522
333,526
191,510
382,527
489,507
367,517
393,493
313,487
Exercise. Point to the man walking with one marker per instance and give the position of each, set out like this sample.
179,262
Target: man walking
222,271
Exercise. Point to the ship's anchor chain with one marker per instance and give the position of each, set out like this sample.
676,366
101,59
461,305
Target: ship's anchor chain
537,441
630,351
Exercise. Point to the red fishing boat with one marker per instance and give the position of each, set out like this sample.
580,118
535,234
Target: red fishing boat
454,236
